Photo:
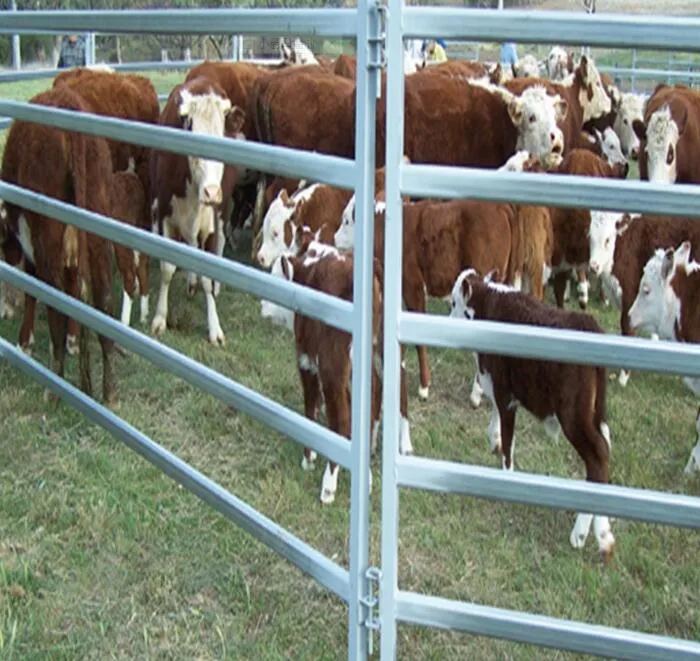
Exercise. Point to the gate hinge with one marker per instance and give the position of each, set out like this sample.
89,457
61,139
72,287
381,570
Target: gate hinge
371,602
377,44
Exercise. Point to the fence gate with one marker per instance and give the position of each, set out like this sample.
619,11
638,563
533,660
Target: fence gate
367,24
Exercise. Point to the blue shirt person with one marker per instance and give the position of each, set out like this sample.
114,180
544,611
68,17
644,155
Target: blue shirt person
509,54
72,53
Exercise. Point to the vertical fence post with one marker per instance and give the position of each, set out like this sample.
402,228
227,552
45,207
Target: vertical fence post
368,56
234,47
634,70
16,50
392,309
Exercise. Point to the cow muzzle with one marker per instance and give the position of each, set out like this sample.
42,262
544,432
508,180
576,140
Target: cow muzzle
556,143
634,153
211,195
594,267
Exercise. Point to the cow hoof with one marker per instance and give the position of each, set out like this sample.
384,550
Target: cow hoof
423,393
26,349
191,288
72,345
475,400
217,338
327,497
623,378
607,552
158,326
310,463
217,289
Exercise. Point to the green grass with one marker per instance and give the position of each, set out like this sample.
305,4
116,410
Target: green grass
102,557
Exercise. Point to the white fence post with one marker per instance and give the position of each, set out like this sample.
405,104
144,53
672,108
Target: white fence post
16,49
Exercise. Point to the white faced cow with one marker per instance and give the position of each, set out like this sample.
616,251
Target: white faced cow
189,191
610,146
298,54
630,109
559,64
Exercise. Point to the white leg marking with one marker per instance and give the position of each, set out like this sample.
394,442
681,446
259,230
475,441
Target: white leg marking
126,309
159,323
72,346
692,384
567,290
582,289
375,434
248,222
476,393
694,461
582,527
405,446
191,284
654,336
605,431
494,430
552,427
144,309
329,485
624,377
310,463
6,311
603,534
423,392
216,335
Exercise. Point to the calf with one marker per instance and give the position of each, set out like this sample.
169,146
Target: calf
563,395
607,146
439,240
189,191
670,136
629,111
620,246
324,353
66,258
668,303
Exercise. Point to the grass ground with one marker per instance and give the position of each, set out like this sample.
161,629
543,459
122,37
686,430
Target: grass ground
102,557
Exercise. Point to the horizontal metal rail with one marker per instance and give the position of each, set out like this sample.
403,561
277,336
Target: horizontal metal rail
651,74
551,344
523,627
298,552
317,22
545,491
526,26
284,420
556,190
292,296
332,170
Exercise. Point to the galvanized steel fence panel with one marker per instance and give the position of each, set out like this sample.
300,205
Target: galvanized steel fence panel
401,327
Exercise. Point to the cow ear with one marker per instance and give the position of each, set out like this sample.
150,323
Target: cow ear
515,111
287,268
492,276
235,120
285,51
682,120
667,264
623,223
639,129
284,197
583,67
466,289
561,107
682,256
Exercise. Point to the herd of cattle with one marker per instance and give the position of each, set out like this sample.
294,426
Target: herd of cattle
491,260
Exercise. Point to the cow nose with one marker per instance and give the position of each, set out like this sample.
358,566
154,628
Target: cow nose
625,170
557,147
635,153
595,267
261,259
212,195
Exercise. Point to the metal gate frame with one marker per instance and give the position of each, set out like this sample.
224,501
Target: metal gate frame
509,339
354,586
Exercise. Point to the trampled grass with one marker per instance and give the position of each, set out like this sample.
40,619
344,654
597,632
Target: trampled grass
102,557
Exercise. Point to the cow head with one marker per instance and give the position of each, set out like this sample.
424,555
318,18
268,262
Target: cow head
662,134
592,95
283,268
298,54
212,115
461,295
278,227
610,148
535,114
527,67
604,229
657,307
630,110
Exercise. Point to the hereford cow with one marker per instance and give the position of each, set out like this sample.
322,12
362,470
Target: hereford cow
563,395
670,136
667,303
526,67
607,145
631,109
620,246
324,353
345,66
190,193
66,258
297,54
6,311
559,63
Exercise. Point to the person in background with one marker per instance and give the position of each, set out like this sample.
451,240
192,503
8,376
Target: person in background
509,55
435,51
72,52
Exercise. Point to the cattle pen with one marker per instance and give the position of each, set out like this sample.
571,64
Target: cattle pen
375,603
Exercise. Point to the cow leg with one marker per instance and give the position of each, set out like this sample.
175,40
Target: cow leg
127,268
338,414
216,335
477,391
312,395
414,297
625,329
694,461
6,311
494,429
376,407
258,214
405,445
26,332
73,288
507,416
58,330
561,282
142,262
220,243
159,323
582,288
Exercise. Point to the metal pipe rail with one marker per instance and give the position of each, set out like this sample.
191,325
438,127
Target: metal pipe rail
423,610
652,74
316,22
328,169
298,552
290,295
267,411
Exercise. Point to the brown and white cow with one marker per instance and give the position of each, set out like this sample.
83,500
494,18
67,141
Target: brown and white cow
298,54
630,109
324,353
189,191
559,63
670,136
527,67
668,303
620,246
564,395
76,169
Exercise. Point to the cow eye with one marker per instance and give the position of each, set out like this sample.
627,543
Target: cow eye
532,119
647,291
625,122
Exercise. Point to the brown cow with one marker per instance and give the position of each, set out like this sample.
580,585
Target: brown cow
669,137
324,353
191,193
563,395
77,169
345,66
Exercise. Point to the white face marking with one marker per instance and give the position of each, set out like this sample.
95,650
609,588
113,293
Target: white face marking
631,108
303,54
460,304
278,214
535,114
318,251
527,67
610,146
600,104
661,146
277,314
206,115
344,237
25,239
602,235
557,62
